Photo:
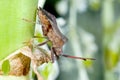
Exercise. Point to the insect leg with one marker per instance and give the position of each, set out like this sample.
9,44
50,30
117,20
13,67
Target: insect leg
52,54
40,37
43,43
57,56
27,20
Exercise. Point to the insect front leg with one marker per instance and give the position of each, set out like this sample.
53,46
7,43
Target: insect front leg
30,21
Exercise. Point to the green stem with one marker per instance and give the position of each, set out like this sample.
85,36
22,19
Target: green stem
13,30
74,37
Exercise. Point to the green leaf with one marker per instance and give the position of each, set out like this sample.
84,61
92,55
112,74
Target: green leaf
6,67
14,31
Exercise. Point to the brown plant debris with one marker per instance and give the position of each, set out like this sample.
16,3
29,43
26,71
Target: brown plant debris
20,61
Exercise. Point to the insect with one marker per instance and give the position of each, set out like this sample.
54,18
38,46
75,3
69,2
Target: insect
53,34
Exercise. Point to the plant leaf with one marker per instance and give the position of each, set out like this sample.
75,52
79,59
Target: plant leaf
6,67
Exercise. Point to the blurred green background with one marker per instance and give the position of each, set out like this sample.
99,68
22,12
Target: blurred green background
93,30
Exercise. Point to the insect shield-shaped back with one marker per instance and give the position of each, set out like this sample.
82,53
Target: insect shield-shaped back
51,30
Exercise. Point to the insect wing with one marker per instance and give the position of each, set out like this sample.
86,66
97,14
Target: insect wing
52,20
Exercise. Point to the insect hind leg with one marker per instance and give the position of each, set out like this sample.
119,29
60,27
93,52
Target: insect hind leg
53,53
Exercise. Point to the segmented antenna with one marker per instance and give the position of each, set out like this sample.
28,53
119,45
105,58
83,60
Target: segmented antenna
74,57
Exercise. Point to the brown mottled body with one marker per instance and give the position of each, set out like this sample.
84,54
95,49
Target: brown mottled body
52,32
50,29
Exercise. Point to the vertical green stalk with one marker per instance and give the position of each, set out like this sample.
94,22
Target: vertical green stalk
13,30
73,36
107,20
110,44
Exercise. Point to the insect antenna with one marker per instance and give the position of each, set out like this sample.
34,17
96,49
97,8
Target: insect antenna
74,57
30,21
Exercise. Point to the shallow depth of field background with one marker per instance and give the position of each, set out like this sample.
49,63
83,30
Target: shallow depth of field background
93,30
